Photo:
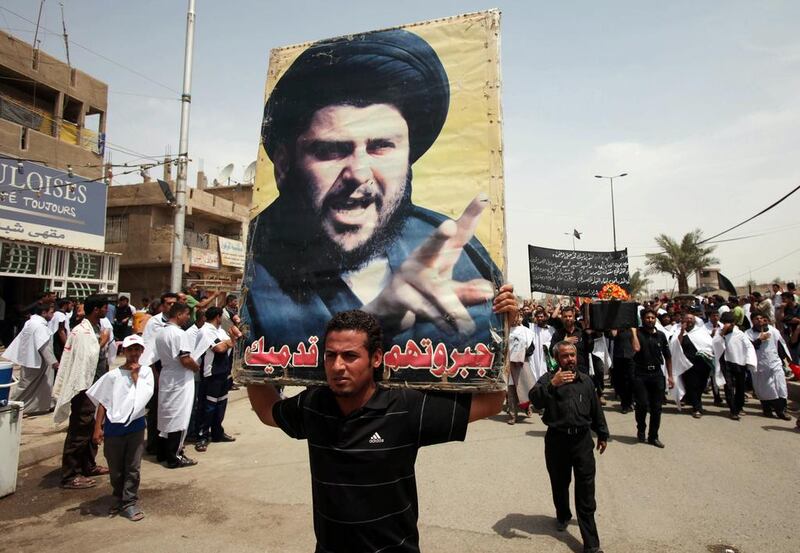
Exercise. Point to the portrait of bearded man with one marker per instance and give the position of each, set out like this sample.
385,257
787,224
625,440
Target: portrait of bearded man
343,127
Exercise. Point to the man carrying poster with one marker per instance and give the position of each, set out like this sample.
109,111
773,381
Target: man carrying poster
343,127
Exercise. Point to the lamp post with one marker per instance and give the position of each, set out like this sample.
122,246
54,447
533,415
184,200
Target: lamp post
613,215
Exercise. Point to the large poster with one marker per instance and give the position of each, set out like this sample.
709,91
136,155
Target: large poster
45,205
576,272
379,186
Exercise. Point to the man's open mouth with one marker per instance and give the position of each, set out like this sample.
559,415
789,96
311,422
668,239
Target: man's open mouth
353,210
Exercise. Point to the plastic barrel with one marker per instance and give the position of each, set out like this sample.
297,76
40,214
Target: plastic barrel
6,371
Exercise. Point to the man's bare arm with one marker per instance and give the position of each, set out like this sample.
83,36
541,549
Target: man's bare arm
486,405
262,398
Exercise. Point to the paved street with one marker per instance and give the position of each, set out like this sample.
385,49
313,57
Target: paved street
718,482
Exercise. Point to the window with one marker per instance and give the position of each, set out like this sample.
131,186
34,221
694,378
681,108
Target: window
19,259
116,229
84,265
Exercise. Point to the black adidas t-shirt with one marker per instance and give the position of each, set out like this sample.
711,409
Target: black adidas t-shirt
362,465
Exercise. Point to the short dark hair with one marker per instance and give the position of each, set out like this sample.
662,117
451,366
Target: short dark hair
62,302
213,313
39,308
94,302
176,309
360,321
755,314
790,285
567,308
563,344
647,310
726,318
714,311
126,298
756,294
167,295
787,296
230,297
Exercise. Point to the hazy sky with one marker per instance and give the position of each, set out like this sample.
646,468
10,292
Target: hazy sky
697,101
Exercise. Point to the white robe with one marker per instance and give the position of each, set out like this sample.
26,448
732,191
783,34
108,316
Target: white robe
175,383
736,348
123,400
520,338
111,346
709,327
154,326
769,380
208,337
77,368
58,318
24,349
542,338
680,363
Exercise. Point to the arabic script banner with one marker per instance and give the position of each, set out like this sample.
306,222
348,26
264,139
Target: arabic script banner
45,205
576,272
379,186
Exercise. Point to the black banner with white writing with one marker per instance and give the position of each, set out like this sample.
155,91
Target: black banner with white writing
576,272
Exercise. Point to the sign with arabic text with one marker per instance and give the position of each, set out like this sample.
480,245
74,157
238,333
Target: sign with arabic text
231,252
45,205
204,259
576,272
393,205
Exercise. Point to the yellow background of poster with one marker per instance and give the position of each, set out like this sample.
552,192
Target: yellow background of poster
466,158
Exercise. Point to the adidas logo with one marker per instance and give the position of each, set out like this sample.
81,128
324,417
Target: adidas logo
376,439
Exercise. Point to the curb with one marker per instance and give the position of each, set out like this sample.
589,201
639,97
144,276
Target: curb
41,452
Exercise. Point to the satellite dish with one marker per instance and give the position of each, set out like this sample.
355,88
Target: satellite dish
224,175
249,174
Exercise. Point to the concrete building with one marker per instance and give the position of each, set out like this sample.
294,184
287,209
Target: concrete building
139,226
52,197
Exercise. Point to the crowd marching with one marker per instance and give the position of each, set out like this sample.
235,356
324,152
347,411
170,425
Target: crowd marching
172,386
683,349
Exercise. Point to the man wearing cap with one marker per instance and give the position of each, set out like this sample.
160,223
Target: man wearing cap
343,127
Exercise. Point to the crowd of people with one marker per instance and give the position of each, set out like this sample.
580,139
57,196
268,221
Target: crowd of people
683,348
172,385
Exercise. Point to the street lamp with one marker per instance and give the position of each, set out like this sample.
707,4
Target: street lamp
613,215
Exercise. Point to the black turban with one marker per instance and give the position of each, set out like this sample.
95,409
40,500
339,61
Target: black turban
385,67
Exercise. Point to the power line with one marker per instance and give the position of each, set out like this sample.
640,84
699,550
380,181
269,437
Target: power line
781,258
751,218
99,55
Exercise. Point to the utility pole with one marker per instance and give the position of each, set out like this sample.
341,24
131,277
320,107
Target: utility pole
183,156
613,214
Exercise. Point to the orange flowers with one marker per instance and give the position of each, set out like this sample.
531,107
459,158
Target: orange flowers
613,291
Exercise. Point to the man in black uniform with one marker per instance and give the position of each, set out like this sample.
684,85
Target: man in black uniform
651,349
571,408
622,368
363,440
572,333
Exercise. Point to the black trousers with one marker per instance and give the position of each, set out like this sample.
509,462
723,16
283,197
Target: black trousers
152,445
648,388
694,380
565,454
734,386
79,449
170,449
622,373
769,405
599,374
214,403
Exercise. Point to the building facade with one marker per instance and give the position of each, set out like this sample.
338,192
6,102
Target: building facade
52,194
139,226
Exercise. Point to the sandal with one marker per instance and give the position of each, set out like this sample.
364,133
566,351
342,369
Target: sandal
78,483
132,512
201,445
98,471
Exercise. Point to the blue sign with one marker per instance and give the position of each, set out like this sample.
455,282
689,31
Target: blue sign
42,204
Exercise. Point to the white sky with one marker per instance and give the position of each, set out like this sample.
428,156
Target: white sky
697,101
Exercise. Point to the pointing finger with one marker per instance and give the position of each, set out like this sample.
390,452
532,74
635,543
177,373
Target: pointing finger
468,221
428,252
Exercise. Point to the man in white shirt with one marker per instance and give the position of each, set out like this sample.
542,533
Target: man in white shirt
151,330
175,387
32,350
212,352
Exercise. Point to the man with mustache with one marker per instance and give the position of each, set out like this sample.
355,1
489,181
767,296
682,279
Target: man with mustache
343,126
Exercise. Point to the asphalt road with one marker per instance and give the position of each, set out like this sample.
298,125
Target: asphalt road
718,483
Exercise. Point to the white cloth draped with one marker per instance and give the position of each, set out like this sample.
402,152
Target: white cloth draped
542,338
154,326
736,348
680,363
520,338
24,349
58,318
176,382
124,401
77,368
769,380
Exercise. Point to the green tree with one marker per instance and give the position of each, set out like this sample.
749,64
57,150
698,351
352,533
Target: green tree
638,284
680,259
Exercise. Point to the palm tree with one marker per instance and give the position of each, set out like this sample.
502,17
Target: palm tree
682,259
638,284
